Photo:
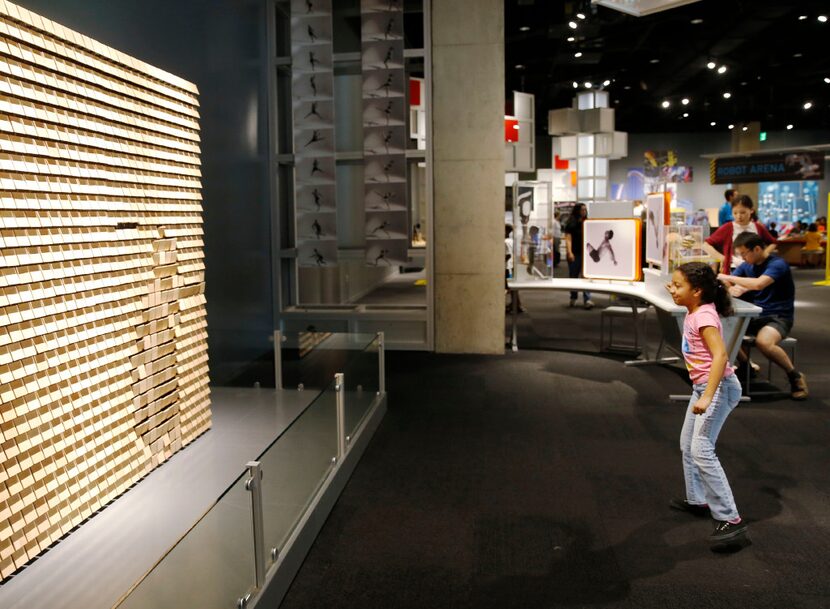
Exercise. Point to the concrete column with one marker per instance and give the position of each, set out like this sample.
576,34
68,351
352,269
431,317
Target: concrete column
468,175
747,141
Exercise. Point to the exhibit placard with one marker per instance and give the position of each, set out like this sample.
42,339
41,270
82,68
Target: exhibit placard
778,167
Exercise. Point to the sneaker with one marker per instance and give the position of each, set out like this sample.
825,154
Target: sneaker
681,505
572,303
798,388
726,531
756,368
589,304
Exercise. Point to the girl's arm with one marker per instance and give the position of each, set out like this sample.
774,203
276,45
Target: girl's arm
569,244
714,342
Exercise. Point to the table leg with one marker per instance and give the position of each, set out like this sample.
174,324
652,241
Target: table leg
514,341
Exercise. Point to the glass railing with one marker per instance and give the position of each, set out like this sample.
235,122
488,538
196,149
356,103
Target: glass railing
222,561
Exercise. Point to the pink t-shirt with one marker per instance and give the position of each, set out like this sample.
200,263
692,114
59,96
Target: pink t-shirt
697,355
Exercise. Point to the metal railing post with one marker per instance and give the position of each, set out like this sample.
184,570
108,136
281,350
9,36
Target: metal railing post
254,484
381,363
278,359
340,388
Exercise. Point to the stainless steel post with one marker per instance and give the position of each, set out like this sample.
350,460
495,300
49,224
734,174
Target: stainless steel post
340,388
381,364
278,359
254,484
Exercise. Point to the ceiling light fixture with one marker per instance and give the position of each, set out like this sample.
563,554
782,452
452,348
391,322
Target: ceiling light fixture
578,54
697,21
789,127
605,83
822,18
524,28
627,87
571,38
827,80
727,95
685,101
580,15
588,84
666,103
576,85
802,17
572,25
722,70
685,115
655,60
808,105
744,128
731,126
796,55
520,66
712,124
711,65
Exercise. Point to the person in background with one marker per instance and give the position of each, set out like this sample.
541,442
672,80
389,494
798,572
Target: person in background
508,268
556,235
719,243
574,242
772,230
812,249
821,222
725,211
770,280
716,392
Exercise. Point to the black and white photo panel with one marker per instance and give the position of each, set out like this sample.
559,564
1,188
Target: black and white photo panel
374,6
384,112
382,26
386,253
386,197
612,249
383,55
385,226
655,228
312,60
310,31
383,169
384,140
383,84
311,199
312,87
318,254
317,227
310,8
314,114
316,171
313,142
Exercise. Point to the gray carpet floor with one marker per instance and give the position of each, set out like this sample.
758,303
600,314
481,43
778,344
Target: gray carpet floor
541,479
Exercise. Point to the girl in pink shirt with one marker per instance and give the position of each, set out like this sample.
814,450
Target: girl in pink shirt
716,392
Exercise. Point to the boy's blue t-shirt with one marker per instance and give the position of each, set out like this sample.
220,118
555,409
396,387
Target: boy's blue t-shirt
777,299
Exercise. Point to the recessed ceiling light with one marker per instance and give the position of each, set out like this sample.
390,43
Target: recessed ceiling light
520,66
789,127
605,83
697,21
666,103
712,124
572,25
822,18
827,80
627,87
727,95
580,15
685,101
744,128
571,38
578,54
796,55
731,126
808,105
655,60
744,83
576,85
524,28
721,69
711,65
588,84
802,17
685,115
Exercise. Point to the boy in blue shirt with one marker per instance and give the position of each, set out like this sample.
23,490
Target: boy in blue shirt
771,281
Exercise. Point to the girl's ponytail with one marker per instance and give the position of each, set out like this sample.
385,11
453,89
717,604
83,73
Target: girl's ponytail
701,276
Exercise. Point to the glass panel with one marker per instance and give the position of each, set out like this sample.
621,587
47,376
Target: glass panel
295,466
601,99
601,188
585,167
362,380
211,566
312,358
585,101
585,188
601,168
585,145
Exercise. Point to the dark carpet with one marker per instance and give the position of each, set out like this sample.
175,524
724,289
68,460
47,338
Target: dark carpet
541,479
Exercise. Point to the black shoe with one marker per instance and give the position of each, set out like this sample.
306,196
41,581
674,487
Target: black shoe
725,531
798,388
681,505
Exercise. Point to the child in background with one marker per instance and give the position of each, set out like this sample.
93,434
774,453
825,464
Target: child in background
716,392
812,250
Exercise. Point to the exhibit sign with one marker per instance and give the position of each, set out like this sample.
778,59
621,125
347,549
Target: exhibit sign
103,328
779,167
612,249
657,217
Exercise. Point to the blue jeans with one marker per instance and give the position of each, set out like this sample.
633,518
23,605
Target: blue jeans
706,481
574,271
